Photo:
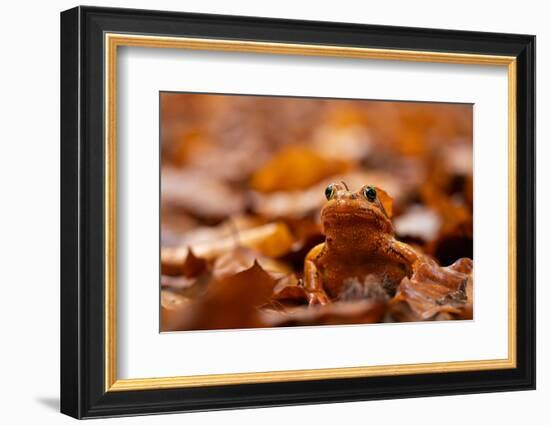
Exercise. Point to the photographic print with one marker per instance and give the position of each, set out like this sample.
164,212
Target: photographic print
287,211
303,195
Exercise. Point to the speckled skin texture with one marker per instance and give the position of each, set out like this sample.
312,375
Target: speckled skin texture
359,247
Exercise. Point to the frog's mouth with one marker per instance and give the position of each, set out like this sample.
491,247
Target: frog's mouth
351,216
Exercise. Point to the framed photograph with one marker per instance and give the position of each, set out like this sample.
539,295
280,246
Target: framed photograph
261,212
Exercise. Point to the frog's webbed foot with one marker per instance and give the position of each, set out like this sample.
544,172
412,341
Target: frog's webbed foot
318,298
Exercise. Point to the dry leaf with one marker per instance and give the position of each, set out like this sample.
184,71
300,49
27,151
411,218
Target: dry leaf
242,258
434,290
200,194
294,168
271,240
337,313
191,266
230,303
172,306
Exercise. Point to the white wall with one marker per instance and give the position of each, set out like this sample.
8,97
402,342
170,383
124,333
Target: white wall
29,212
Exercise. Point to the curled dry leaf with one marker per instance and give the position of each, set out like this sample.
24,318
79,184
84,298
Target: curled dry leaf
271,240
433,290
189,278
242,258
229,303
288,292
191,266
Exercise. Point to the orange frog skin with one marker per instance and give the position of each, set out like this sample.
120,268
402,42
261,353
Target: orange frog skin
359,245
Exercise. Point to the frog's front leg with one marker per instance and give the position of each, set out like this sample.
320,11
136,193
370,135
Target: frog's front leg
406,253
426,269
313,283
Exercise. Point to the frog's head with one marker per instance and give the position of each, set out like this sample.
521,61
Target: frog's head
367,210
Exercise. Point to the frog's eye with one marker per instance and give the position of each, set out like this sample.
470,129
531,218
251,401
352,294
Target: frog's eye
370,193
330,191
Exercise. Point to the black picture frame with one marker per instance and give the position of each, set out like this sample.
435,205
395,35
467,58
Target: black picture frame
83,392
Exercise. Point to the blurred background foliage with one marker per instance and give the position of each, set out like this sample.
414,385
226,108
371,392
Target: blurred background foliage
243,181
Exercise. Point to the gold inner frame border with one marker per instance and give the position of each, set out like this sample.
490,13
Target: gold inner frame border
111,43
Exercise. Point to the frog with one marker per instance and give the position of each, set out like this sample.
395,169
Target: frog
360,244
